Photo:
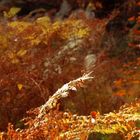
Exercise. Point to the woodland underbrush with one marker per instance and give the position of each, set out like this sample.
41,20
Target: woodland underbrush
41,58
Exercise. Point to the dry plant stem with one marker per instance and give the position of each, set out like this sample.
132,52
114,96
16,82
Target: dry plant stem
63,92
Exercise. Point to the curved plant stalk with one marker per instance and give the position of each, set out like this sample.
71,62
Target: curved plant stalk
63,92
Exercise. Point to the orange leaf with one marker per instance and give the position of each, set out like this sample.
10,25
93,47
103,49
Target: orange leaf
20,86
118,83
138,3
131,19
136,32
120,93
93,114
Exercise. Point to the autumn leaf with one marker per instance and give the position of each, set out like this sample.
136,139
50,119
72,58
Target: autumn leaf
120,93
21,52
93,114
15,60
12,12
20,86
131,19
118,83
138,3
44,21
136,32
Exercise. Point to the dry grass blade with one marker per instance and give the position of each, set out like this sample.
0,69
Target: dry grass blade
64,92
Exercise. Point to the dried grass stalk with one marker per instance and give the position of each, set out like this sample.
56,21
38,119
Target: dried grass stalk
64,92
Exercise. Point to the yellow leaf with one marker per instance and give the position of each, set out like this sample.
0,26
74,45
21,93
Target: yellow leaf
11,55
21,52
44,21
12,12
19,25
15,61
20,86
